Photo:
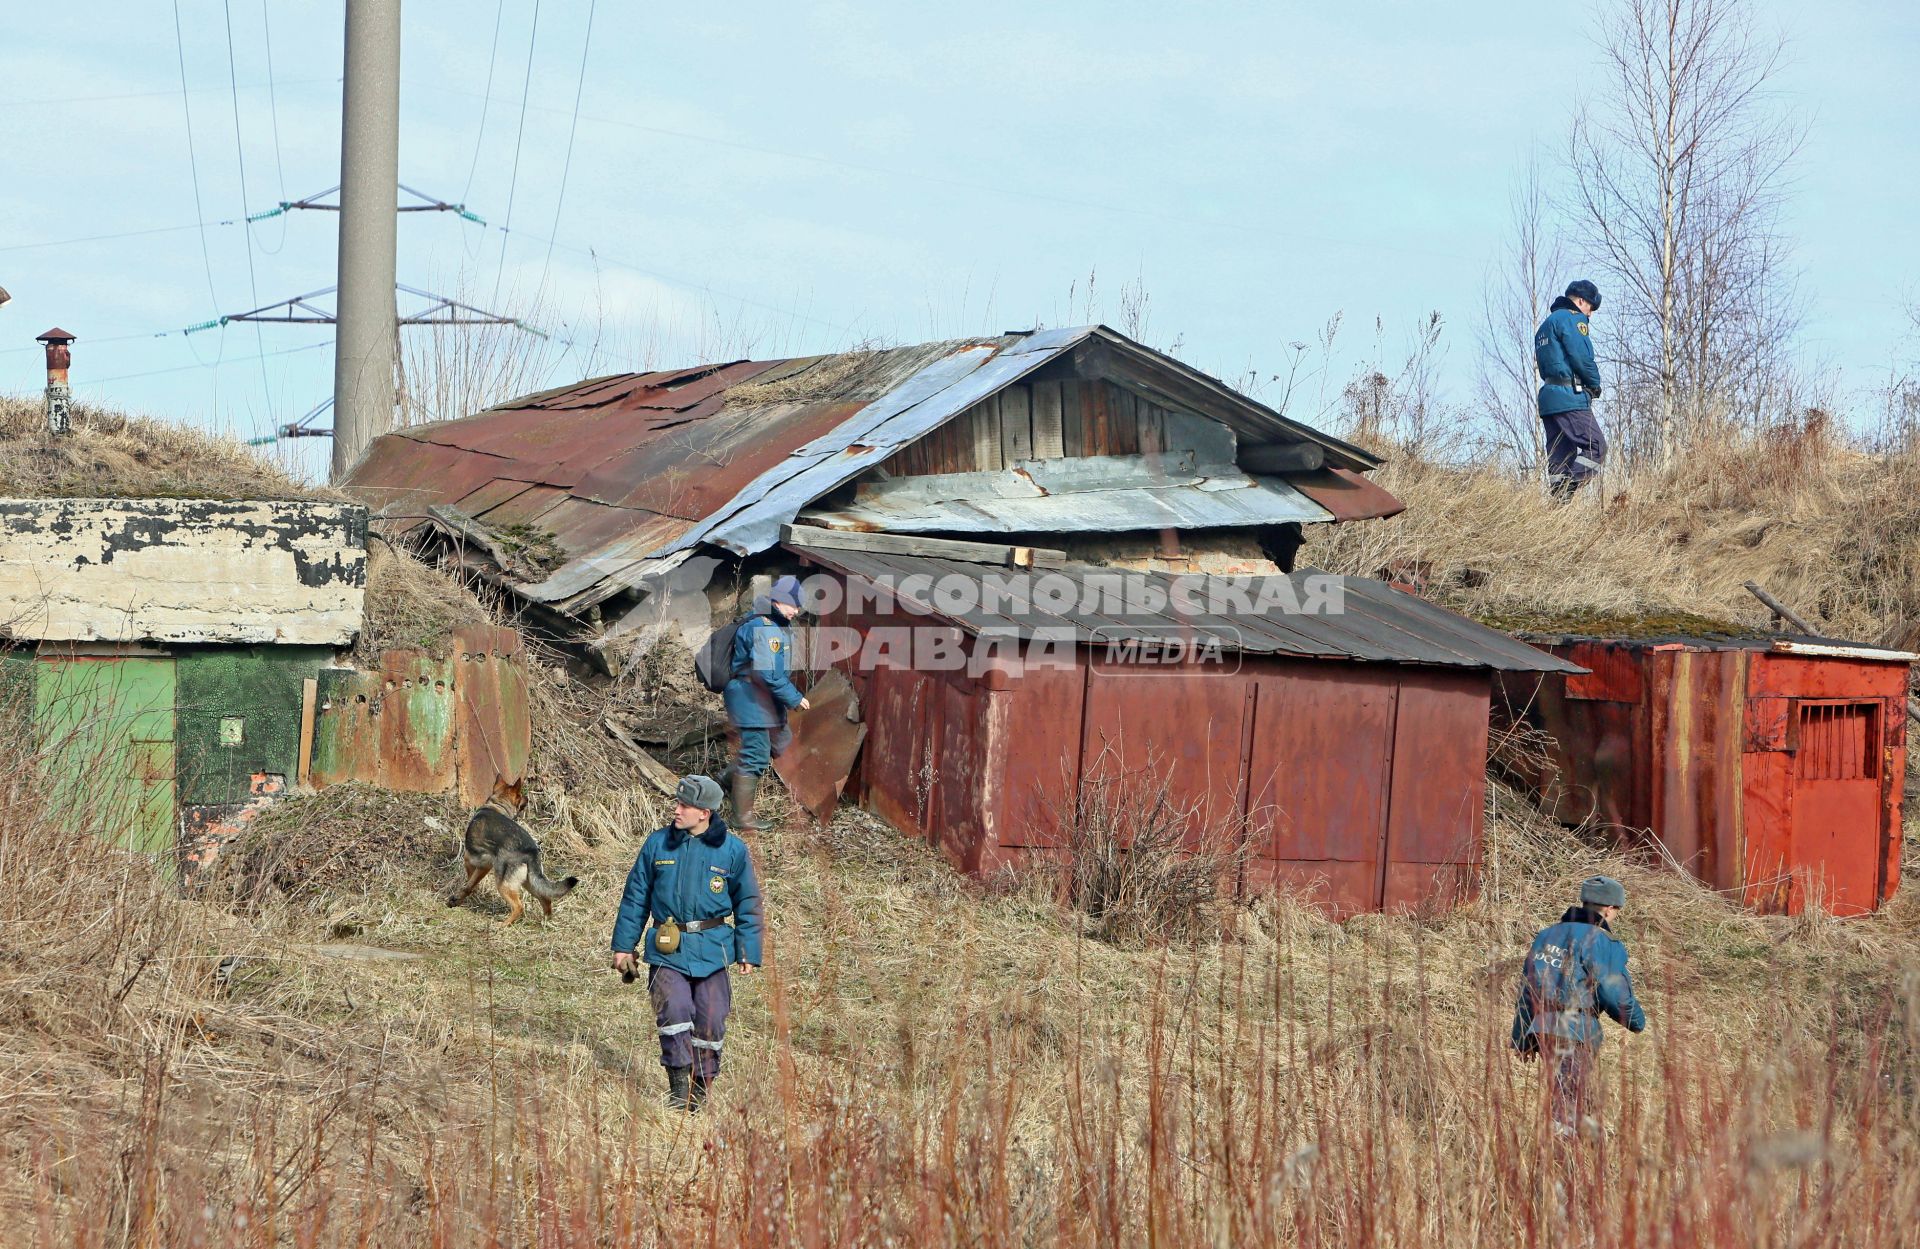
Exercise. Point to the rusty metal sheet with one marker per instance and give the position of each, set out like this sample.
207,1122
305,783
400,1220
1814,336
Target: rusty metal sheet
826,741
728,452
491,495
406,476
415,722
346,738
1346,494
495,719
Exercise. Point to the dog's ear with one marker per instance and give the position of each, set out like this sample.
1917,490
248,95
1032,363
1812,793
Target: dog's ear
510,795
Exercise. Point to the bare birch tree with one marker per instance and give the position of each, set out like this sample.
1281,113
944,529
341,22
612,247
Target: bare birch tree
1518,291
1678,172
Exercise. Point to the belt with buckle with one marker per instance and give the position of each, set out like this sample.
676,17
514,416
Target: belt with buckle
702,925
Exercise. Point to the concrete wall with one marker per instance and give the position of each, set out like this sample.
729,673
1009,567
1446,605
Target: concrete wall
182,570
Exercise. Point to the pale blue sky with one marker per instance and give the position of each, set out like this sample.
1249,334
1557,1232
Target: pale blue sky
779,178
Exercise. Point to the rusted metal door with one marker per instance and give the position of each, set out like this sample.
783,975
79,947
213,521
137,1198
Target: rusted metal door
1321,771
105,733
1836,803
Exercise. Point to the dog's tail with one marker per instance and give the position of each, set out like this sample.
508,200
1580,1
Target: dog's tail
541,887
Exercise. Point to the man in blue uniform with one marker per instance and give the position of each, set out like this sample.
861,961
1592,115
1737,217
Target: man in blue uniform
1569,383
1575,973
690,879
760,693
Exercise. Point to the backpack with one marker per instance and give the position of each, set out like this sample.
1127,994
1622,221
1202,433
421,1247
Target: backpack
713,664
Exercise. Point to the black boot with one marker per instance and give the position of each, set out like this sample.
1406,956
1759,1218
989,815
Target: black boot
699,1099
745,786
678,1096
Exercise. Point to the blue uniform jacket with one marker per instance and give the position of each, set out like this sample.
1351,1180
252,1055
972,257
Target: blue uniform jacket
1576,971
687,878
1562,349
759,694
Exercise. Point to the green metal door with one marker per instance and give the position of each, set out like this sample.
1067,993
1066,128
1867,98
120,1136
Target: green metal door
105,733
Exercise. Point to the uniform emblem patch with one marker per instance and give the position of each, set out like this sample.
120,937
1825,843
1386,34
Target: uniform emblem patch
717,884
774,646
1582,327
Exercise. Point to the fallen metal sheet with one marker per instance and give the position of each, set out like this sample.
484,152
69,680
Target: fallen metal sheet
826,741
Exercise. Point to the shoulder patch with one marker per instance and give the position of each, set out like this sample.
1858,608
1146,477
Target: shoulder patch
1582,327
774,644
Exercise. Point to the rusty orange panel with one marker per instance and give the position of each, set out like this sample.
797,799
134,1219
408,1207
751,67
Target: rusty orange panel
1035,794
494,728
1614,673
1321,766
415,722
1182,726
1439,783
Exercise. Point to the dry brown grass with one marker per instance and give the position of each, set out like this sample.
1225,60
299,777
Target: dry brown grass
347,1061
108,454
1835,534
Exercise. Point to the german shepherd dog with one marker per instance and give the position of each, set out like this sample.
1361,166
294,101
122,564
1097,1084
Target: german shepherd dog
495,842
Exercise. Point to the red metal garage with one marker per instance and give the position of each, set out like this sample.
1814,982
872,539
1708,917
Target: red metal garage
1771,769
1346,742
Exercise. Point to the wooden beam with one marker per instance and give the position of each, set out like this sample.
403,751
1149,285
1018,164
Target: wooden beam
309,702
809,537
1283,457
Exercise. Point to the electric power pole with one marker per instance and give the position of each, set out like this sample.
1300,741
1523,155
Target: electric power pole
366,337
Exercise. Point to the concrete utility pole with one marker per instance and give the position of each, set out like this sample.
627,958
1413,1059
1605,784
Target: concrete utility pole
366,336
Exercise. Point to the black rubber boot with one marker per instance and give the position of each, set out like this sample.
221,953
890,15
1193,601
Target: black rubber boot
678,1095
699,1099
745,787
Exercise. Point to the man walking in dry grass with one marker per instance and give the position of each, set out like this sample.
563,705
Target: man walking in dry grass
1575,972
694,895
1569,383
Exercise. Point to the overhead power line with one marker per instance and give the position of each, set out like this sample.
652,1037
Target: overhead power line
513,181
193,161
214,364
149,95
240,154
566,167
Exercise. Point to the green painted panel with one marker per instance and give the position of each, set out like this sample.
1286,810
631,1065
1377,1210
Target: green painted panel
105,738
240,717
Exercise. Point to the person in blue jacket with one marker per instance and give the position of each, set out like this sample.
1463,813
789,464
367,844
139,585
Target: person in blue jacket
760,693
1569,383
1576,972
690,879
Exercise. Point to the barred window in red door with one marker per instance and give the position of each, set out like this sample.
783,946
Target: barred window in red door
1837,741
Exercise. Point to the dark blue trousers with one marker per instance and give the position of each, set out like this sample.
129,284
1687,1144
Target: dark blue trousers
1576,449
692,1016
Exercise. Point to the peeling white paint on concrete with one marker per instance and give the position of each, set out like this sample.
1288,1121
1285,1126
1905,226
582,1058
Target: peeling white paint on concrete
182,570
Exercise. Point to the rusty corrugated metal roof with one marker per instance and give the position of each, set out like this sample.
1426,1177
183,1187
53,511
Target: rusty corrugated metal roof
619,478
1341,617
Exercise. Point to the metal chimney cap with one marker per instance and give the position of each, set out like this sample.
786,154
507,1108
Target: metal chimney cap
55,335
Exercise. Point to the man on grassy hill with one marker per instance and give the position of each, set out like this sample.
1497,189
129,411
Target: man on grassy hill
1569,383
691,877
1575,972
759,694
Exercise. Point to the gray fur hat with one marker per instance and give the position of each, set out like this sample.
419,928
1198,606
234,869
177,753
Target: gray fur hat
1602,891
699,791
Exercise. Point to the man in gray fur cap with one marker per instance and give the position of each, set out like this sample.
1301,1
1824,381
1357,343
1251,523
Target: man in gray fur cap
1575,973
